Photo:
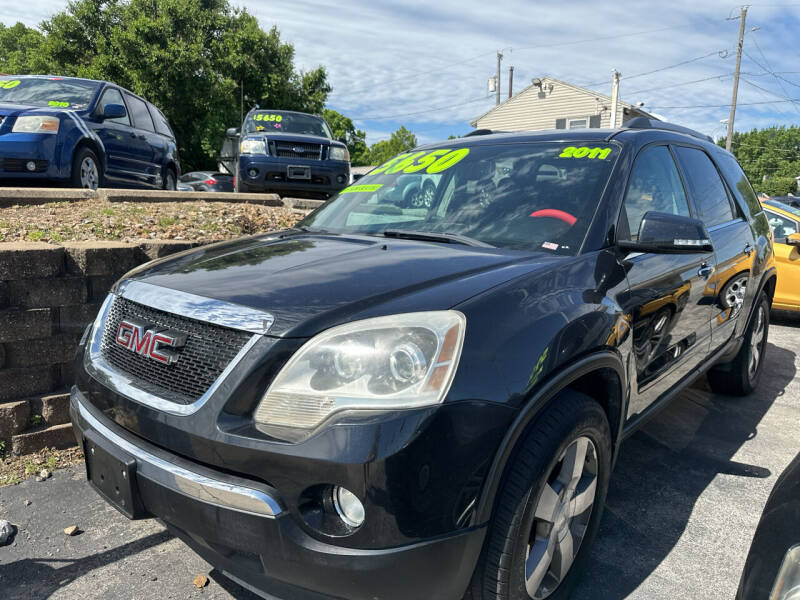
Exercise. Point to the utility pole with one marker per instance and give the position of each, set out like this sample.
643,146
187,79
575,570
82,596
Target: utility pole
614,98
729,140
497,83
510,81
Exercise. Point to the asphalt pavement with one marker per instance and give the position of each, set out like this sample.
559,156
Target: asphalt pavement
684,502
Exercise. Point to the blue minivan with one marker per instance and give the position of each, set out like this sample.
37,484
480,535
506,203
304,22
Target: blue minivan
83,133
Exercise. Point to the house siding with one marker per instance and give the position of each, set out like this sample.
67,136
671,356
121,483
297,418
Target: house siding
533,109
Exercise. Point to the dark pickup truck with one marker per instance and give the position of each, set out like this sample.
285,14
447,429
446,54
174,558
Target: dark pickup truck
288,153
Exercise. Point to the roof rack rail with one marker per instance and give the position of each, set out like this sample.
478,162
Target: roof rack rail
645,123
480,132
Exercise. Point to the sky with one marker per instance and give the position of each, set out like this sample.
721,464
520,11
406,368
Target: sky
425,65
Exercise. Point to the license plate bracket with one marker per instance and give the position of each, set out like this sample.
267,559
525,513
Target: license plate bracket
298,172
112,472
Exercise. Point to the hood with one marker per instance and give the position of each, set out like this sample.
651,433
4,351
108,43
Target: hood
292,137
14,110
310,282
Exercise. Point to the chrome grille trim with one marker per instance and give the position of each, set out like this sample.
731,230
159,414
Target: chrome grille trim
102,371
199,308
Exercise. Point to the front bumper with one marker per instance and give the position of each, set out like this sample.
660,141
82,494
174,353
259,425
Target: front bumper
259,173
17,149
241,527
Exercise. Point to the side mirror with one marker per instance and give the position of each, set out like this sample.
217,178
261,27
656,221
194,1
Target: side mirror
114,111
664,233
793,239
232,132
343,140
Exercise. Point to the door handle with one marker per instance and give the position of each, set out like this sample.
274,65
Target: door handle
705,271
748,249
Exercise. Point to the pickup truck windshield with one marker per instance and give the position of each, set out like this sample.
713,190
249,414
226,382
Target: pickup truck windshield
55,92
535,196
286,122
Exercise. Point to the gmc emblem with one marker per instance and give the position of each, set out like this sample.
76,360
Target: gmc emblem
149,341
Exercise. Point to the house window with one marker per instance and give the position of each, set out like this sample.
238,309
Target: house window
580,123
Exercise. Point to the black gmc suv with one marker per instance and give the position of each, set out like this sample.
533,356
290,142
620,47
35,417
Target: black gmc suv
418,402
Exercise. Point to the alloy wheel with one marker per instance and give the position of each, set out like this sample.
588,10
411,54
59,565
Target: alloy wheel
734,294
90,176
561,518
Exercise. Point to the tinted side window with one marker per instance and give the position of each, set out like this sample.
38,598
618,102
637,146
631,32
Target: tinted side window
781,226
139,113
708,191
160,121
655,185
738,181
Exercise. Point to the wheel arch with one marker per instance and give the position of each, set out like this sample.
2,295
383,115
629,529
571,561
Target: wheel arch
600,375
94,147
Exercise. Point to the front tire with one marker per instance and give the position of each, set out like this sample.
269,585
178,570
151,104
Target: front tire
86,170
550,505
740,376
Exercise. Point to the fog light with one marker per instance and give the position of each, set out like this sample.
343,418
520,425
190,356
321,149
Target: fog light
350,509
30,165
340,178
252,172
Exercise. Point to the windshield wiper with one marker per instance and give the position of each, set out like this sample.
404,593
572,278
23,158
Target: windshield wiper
432,236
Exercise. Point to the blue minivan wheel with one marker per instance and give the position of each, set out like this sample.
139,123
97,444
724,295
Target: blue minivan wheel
86,170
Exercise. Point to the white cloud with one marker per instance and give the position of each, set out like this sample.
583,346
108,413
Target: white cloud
391,59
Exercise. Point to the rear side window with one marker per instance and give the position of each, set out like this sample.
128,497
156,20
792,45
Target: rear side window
162,126
113,96
654,186
738,180
710,197
139,113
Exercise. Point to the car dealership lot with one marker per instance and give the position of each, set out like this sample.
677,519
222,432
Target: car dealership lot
683,505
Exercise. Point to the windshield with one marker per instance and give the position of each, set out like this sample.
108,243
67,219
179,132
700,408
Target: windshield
286,122
538,196
55,92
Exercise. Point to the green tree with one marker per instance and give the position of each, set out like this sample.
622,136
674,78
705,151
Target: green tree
770,157
343,128
21,50
400,141
194,59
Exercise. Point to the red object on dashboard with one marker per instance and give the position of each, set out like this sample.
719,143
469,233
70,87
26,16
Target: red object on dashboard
210,181
554,213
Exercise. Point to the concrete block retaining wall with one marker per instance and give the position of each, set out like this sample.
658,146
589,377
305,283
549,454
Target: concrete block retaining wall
48,294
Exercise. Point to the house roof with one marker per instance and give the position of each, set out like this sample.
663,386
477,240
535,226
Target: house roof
577,88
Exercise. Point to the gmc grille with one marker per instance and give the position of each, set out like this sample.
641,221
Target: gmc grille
208,350
297,150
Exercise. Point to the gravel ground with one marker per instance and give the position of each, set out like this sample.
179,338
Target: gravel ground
129,221
684,502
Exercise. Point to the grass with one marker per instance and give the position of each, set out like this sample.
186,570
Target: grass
167,221
108,211
36,420
35,235
31,467
9,479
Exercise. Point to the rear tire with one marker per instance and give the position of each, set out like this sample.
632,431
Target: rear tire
170,180
740,376
549,508
87,170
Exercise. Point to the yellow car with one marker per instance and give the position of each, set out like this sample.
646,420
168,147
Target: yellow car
785,223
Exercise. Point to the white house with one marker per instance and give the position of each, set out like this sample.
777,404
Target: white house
550,103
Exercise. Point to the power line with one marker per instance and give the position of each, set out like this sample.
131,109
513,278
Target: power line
665,87
477,56
727,105
769,68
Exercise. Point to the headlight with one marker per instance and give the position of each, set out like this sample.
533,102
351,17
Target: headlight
36,124
339,153
253,147
400,361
